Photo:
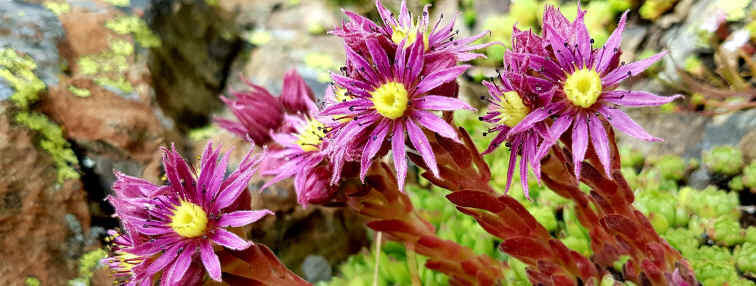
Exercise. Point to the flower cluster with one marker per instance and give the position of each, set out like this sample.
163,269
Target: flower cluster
559,82
397,74
292,132
170,230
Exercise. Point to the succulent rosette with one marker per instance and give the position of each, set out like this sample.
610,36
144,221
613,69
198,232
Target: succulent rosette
393,99
172,227
585,81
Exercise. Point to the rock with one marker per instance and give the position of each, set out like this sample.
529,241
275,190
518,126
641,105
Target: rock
190,67
699,179
34,31
44,226
748,146
316,268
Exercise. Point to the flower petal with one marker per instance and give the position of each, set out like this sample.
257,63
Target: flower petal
380,59
611,46
600,142
210,260
166,258
435,124
440,77
400,157
242,218
531,119
418,139
375,141
631,69
636,98
579,142
435,102
179,267
229,240
622,121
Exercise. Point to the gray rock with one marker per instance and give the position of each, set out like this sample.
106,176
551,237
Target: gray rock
190,68
699,179
33,30
316,268
726,129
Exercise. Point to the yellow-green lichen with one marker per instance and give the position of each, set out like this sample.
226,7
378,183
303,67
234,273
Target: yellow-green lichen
135,26
16,70
80,92
122,47
58,8
52,141
119,83
119,3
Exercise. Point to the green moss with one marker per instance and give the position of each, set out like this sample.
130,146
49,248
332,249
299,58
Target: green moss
52,141
17,71
58,8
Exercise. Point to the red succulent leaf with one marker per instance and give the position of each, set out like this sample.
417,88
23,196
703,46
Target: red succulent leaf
525,247
476,199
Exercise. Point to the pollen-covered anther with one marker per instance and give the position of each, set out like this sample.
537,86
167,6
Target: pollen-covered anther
583,87
189,220
311,135
511,109
390,99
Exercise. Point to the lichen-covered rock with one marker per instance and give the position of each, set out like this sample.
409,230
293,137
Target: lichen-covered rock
34,31
44,225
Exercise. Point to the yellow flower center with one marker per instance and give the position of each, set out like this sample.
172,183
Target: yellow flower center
390,99
410,33
583,87
189,220
511,109
311,135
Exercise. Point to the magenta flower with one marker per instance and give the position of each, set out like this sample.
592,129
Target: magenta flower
391,98
299,151
126,267
585,80
296,96
258,113
439,41
510,104
182,221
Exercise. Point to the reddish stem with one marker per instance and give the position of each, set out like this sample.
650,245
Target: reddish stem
463,171
616,227
393,214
